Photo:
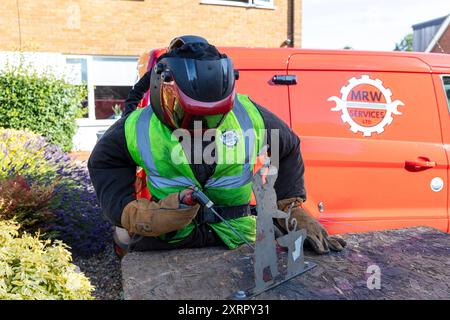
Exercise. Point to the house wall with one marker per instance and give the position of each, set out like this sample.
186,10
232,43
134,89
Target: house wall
120,27
114,30
443,45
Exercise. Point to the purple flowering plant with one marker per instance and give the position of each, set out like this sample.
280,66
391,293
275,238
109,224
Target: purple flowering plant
77,218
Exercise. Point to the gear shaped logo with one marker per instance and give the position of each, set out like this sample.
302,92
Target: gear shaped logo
366,105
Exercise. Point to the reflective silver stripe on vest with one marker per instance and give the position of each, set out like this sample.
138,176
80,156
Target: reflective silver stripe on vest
249,136
145,150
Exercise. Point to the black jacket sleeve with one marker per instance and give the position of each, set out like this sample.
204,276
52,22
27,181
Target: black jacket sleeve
113,172
136,94
290,180
111,168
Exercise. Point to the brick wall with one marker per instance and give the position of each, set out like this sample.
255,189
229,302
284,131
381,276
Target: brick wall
118,27
444,43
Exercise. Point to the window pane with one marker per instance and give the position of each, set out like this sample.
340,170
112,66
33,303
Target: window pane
84,107
113,71
108,97
446,81
76,70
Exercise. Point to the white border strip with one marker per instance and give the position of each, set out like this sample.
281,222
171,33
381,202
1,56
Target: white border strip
270,6
86,122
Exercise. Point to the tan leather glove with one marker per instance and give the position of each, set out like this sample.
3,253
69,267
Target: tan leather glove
317,235
152,219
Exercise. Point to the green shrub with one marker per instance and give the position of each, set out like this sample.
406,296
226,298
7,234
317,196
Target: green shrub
34,269
44,103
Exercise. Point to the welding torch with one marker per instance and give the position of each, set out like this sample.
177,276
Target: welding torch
197,196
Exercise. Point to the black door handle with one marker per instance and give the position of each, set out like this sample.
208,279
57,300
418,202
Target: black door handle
284,79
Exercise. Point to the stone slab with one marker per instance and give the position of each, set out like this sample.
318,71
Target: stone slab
414,264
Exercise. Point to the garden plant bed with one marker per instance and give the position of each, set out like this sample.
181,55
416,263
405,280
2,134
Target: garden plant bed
414,264
103,270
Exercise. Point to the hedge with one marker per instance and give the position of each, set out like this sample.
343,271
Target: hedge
44,103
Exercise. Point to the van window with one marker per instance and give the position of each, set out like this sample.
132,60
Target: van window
446,82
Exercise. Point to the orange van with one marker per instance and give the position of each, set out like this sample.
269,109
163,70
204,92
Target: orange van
374,126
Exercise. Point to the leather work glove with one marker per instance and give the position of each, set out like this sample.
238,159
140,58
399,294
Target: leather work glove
316,235
151,219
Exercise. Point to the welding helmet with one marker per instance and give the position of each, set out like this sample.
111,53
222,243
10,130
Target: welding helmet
192,82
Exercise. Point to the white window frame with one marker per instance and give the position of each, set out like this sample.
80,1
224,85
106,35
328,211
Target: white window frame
91,120
260,4
90,86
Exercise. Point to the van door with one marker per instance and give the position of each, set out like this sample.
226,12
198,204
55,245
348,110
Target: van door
256,69
256,84
442,85
372,146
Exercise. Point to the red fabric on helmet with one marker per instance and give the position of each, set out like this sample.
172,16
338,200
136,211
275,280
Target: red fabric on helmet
181,110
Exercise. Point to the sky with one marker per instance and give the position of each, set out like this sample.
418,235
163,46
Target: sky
364,24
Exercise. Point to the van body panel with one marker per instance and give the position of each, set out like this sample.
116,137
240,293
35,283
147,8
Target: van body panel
441,70
362,62
362,177
259,59
257,85
444,115
271,58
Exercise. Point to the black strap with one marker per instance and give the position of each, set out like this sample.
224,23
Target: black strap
205,215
